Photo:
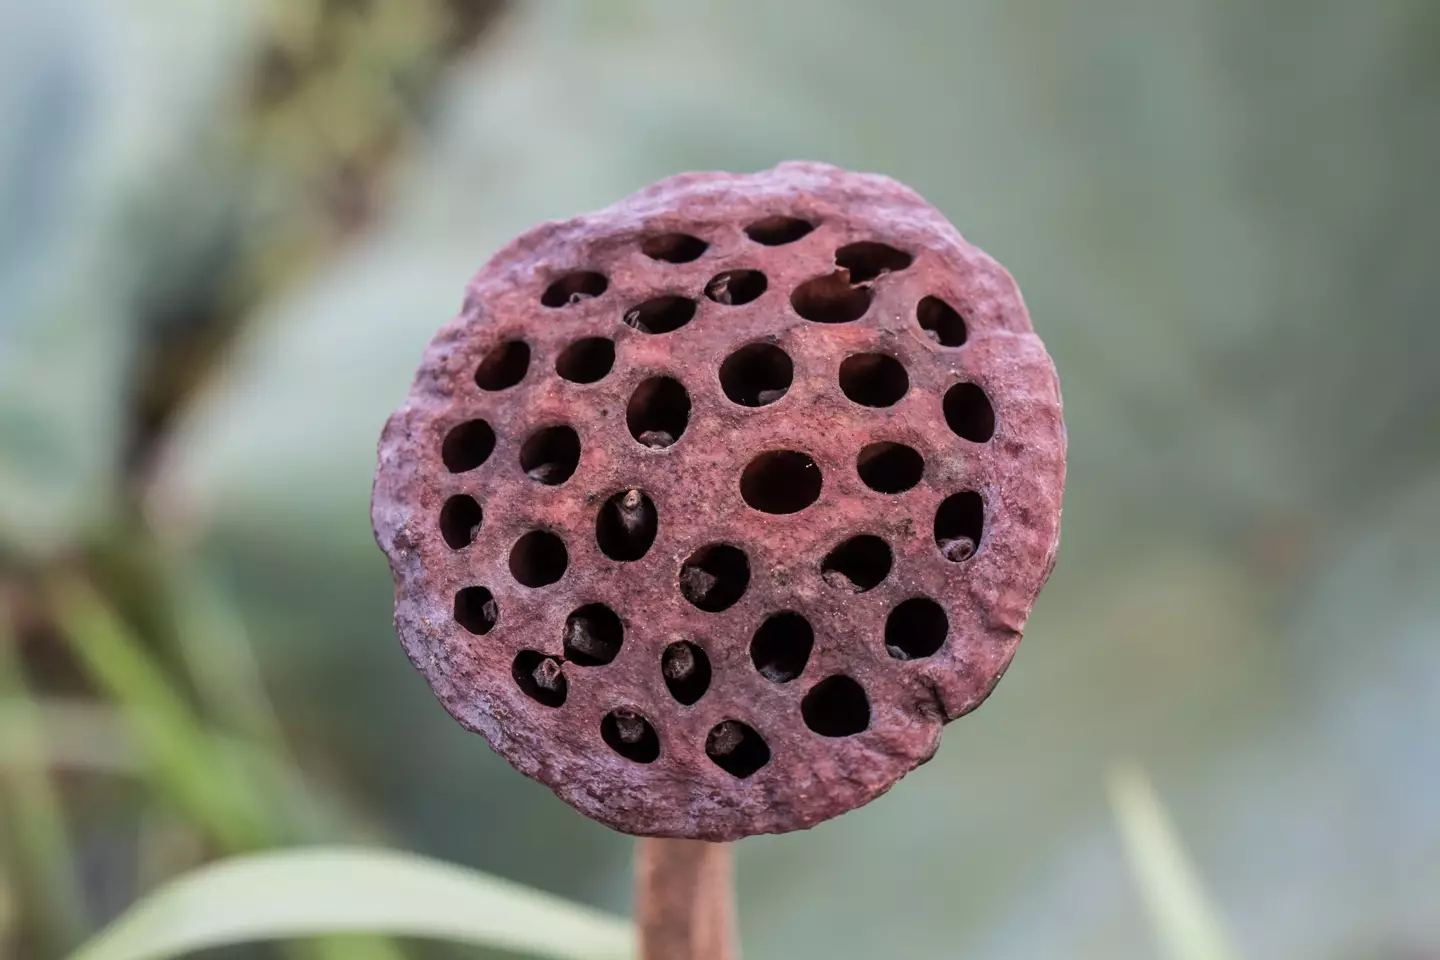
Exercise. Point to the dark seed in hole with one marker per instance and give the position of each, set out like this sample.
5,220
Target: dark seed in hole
868,260
540,677
968,412
586,361
916,629
686,670
467,446
859,564
658,412
778,230
873,379
736,748
830,299
551,455
836,707
574,288
661,314
889,467
630,735
781,647
593,635
757,374
959,523
538,559
476,610
460,521
715,577
674,247
736,287
504,366
941,322
780,481
626,525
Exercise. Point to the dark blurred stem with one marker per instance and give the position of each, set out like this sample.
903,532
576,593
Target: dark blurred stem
684,900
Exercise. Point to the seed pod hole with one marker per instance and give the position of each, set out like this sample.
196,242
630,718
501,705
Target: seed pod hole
859,564
756,375
736,748
781,647
959,524
916,629
586,361
734,288
715,577
674,247
467,446
781,481
868,260
551,455
658,412
830,299
661,314
476,610
593,635
629,734
538,559
626,525
873,379
968,412
686,669
540,678
460,520
889,467
941,322
574,288
836,707
504,366
777,231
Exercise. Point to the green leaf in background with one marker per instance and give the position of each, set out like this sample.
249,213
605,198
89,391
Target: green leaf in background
1184,920
319,891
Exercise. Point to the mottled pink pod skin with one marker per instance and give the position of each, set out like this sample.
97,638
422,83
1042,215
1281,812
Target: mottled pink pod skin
712,507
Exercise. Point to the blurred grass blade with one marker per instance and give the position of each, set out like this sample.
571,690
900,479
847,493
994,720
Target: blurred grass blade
318,891
217,652
33,813
1184,919
202,781
78,736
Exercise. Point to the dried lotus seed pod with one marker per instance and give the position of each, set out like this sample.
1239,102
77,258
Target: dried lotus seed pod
713,507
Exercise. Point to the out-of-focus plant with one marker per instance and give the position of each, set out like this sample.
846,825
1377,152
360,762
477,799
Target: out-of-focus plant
1185,922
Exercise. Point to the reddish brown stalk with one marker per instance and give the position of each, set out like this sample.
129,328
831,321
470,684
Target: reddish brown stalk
684,900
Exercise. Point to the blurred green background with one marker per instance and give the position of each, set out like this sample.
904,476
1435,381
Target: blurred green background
229,227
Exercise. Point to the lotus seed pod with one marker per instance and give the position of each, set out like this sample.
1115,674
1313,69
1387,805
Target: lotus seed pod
711,508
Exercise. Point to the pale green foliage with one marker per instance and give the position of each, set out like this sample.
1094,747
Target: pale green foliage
309,892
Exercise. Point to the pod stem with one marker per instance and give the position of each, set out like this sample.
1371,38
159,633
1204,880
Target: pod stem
684,900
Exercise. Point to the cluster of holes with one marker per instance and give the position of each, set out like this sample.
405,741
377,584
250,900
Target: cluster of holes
715,577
